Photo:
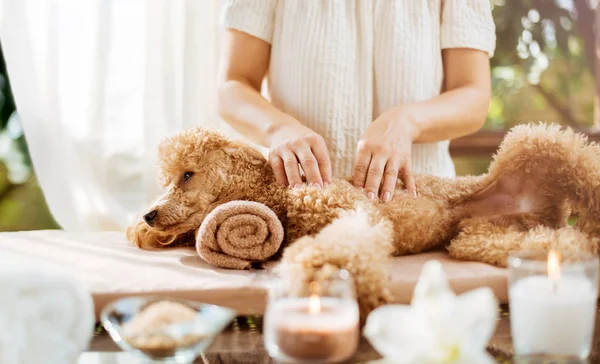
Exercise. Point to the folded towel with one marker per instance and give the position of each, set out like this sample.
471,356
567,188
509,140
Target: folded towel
46,316
238,233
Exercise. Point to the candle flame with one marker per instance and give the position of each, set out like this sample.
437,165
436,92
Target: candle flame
314,304
553,264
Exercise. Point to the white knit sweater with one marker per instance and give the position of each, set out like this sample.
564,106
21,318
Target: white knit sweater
338,64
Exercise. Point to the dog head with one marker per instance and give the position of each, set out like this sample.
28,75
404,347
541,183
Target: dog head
196,167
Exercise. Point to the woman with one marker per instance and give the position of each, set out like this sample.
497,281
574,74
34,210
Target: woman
369,89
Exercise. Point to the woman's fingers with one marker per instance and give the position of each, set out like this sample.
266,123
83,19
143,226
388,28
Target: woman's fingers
279,170
319,149
390,177
361,168
309,165
374,176
292,170
377,170
408,179
300,147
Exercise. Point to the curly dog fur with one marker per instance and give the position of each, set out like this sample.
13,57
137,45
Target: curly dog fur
539,177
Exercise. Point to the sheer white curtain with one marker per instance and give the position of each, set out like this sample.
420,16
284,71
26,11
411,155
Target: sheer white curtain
98,83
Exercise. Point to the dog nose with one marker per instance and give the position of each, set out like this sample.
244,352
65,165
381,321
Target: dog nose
149,217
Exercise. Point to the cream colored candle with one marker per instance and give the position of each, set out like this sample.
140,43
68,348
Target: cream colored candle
312,329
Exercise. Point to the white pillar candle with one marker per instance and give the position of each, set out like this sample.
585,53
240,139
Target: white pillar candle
552,316
553,313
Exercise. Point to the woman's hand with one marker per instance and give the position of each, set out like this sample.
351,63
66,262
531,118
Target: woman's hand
384,152
244,65
293,144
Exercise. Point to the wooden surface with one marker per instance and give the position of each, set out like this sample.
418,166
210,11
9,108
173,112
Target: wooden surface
242,342
486,142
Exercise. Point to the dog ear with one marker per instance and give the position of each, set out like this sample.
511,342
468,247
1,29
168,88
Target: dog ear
241,149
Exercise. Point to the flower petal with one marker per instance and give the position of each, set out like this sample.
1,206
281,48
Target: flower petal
478,310
398,333
438,326
432,285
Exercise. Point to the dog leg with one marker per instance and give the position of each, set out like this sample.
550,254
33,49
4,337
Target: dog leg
492,240
353,243
559,165
419,223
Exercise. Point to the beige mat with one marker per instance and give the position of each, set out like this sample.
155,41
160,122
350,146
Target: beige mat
113,268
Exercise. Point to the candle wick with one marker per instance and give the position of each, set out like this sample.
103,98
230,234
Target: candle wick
314,305
555,286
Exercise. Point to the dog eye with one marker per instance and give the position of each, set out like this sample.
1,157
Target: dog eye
187,176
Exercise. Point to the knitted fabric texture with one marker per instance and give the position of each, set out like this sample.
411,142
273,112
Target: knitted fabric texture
239,233
336,66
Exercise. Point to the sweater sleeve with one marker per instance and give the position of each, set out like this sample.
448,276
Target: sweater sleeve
255,17
468,24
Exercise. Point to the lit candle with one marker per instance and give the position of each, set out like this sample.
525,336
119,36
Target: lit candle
553,313
554,270
309,329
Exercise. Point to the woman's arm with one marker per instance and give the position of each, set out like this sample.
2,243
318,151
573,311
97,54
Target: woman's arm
463,106
243,66
244,63
384,151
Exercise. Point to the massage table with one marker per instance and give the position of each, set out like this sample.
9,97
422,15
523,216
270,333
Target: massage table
112,268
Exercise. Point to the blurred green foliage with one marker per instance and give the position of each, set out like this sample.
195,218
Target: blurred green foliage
22,203
542,70
543,65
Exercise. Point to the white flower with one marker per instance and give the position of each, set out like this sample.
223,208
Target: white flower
438,326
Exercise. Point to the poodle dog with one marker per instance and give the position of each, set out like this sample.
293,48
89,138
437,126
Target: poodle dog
539,177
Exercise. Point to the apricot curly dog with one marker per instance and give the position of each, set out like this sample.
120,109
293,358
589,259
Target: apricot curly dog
540,175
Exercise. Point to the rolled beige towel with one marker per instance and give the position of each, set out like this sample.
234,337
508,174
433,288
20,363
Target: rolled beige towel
239,233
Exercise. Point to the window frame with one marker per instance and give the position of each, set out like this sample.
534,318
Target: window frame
486,143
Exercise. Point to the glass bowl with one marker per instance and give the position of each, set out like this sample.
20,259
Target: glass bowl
164,329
